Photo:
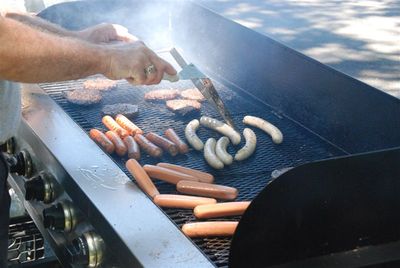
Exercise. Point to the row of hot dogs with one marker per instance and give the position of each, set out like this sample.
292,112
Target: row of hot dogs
215,152
198,193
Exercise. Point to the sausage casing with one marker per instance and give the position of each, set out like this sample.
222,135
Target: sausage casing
220,151
150,148
101,139
210,154
276,134
110,123
222,128
132,147
250,146
119,145
141,177
181,201
167,175
207,189
128,125
220,210
202,176
210,228
183,148
164,143
191,136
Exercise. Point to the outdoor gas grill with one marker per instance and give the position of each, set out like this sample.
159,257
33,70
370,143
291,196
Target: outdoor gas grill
322,114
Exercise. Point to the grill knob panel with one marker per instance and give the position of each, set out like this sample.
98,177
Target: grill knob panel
61,216
86,250
8,146
21,163
40,188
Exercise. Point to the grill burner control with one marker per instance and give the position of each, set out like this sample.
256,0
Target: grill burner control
21,163
8,147
40,188
87,250
61,216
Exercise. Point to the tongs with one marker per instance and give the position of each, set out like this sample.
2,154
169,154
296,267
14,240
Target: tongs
201,82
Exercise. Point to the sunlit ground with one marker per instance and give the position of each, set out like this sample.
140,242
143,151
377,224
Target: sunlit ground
359,38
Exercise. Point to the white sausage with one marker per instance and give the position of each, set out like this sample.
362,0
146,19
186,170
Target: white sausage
222,128
221,152
191,136
210,156
272,130
250,146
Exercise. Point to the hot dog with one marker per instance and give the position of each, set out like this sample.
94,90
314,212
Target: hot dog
167,175
133,147
102,140
211,228
181,201
202,176
207,189
141,177
119,145
128,125
220,210
172,136
150,148
110,123
164,143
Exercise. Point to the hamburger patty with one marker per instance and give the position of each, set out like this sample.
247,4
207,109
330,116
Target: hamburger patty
127,109
99,84
83,96
192,94
161,94
183,107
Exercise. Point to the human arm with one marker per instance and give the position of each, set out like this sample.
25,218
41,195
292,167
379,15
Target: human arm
32,56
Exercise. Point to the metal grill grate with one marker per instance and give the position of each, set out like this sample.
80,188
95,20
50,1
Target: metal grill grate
250,176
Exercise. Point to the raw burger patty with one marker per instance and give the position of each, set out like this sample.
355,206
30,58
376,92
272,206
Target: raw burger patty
161,94
192,94
99,84
129,110
83,96
183,106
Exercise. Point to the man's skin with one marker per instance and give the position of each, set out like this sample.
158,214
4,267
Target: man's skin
30,55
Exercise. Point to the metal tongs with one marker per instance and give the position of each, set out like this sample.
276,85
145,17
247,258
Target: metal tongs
201,82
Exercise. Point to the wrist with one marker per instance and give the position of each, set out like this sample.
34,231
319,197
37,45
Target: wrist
103,60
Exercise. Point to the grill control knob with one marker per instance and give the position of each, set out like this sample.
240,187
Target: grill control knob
21,163
8,146
61,216
40,188
86,250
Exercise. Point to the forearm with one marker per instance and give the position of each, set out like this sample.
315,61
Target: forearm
31,56
41,24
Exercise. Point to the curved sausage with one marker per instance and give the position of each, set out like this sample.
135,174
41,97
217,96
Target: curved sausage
132,147
220,150
222,128
207,189
164,143
102,140
172,136
141,177
128,125
191,136
110,123
210,155
119,145
150,148
250,146
266,126
167,175
221,210
202,176
210,228
181,201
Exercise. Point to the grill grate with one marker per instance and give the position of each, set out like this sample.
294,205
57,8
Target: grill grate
250,176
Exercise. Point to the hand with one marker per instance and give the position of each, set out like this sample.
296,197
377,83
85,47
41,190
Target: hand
105,33
130,60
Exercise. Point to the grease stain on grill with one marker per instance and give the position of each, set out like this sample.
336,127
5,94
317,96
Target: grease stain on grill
249,176
95,175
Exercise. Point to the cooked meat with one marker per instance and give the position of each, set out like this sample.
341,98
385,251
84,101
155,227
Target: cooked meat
192,94
129,110
183,107
161,94
99,84
83,96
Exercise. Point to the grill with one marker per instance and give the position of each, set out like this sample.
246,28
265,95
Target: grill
249,177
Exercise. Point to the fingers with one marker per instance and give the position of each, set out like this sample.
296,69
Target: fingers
122,34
